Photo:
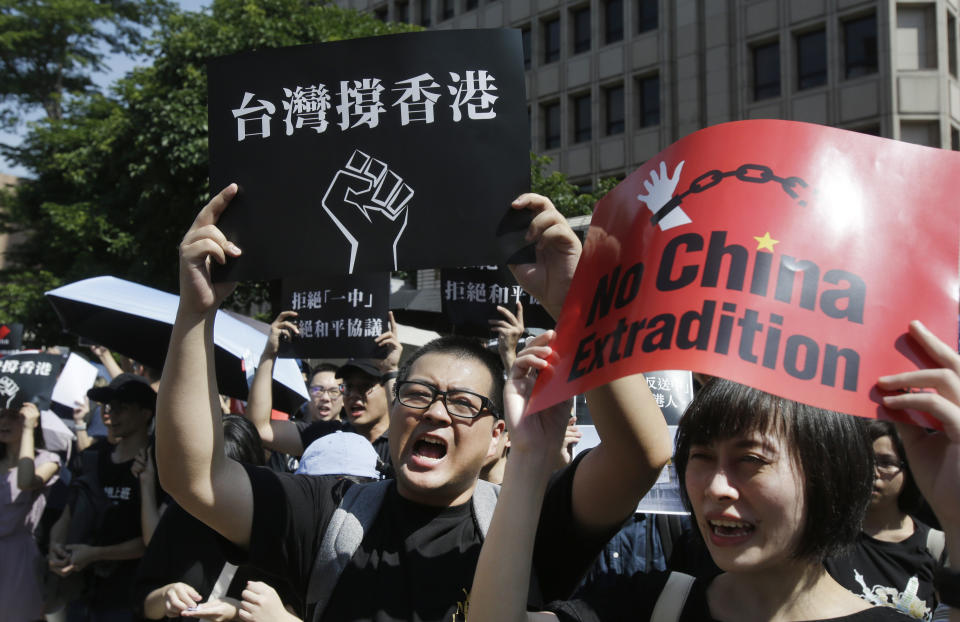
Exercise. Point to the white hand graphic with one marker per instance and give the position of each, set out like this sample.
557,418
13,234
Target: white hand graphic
660,190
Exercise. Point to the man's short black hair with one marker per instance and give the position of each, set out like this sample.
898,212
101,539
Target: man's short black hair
330,367
830,449
463,347
910,498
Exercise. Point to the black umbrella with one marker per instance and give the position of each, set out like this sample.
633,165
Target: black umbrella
136,321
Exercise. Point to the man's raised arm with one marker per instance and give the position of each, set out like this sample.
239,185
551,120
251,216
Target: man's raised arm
192,465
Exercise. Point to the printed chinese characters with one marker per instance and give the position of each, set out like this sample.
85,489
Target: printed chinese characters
359,103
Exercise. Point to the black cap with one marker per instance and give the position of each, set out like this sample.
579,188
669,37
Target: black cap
126,388
367,366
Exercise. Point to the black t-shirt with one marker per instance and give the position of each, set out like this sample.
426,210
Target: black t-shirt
310,432
184,549
892,574
629,598
416,562
120,522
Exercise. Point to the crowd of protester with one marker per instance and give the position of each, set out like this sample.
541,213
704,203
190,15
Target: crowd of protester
380,498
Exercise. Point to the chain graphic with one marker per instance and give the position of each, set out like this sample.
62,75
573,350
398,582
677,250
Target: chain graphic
749,173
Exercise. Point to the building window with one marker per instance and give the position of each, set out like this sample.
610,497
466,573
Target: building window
581,29
612,21
551,40
403,12
381,14
916,37
584,187
613,109
425,13
471,5
811,59
766,71
581,119
551,125
647,18
527,44
952,44
869,130
955,139
648,99
860,46
925,133
447,9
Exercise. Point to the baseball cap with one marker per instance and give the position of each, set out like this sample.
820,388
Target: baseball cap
126,388
340,453
367,366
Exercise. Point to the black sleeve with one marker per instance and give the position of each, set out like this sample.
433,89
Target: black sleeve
290,515
617,598
563,551
310,432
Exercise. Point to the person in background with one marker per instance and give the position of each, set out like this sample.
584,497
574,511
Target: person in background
326,394
183,572
896,555
28,470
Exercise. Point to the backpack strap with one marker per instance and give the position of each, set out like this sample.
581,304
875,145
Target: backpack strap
672,598
936,542
484,503
350,521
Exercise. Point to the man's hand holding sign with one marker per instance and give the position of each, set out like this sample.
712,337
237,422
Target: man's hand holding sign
788,293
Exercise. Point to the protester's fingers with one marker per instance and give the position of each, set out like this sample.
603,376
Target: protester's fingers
533,201
210,232
500,325
542,339
393,323
527,361
519,313
290,326
251,595
201,249
211,212
945,381
542,223
509,317
937,349
947,412
284,316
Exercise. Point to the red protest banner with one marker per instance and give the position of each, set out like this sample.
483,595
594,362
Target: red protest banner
783,255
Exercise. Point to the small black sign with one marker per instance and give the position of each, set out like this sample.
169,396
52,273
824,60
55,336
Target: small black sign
11,336
469,298
338,317
28,377
395,152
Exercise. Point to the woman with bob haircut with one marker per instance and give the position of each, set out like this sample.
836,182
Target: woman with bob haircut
774,487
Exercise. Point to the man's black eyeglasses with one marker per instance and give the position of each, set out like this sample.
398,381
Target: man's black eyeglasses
458,402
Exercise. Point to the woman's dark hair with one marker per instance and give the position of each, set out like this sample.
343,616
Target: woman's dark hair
831,451
38,442
463,347
910,498
241,441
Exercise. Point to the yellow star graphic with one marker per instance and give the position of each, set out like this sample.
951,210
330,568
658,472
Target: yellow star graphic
765,242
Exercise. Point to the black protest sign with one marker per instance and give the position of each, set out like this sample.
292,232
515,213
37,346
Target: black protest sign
11,336
337,317
469,299
394,152
672,389
28,377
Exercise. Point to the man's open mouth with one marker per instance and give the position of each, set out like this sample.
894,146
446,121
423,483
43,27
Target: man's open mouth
430,448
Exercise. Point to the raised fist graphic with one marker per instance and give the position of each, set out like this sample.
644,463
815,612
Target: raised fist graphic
368,203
